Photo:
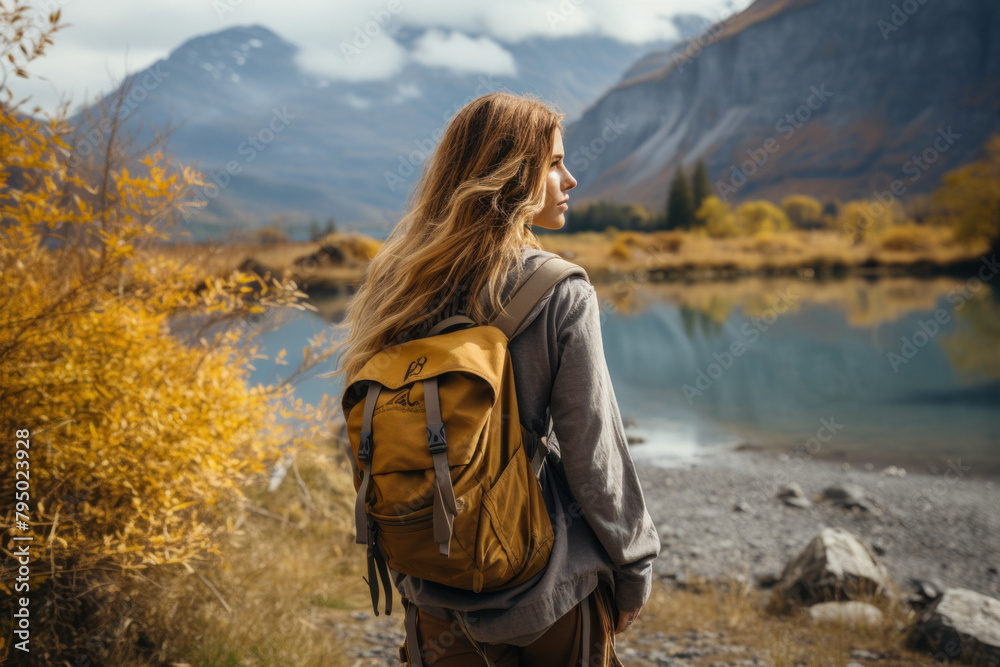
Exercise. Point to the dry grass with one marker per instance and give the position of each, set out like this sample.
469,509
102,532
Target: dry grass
290,572
605,255
791,639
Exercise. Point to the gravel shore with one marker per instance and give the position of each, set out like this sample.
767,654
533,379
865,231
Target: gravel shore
721,517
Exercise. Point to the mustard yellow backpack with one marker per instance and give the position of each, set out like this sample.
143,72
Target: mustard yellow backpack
446,489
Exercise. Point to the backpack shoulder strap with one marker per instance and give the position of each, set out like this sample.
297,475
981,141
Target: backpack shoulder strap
544,277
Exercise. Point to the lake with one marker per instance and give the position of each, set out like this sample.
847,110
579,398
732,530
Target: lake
871,372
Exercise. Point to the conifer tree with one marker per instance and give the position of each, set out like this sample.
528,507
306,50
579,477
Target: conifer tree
701,187
680,206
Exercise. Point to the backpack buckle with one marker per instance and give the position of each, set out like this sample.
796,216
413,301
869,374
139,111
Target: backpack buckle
365,447
435,439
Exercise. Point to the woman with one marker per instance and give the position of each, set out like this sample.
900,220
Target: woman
464,245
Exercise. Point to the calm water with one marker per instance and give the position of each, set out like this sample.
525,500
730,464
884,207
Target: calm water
899,371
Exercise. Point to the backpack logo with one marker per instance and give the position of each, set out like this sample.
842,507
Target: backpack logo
414,368
400,401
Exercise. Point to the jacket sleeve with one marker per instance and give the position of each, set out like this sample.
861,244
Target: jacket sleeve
594,450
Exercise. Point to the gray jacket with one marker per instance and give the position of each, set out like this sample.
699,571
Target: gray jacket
602,529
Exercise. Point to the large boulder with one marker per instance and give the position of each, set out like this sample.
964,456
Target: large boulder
836,565
962,625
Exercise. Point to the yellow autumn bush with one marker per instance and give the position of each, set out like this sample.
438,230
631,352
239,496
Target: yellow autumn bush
130,377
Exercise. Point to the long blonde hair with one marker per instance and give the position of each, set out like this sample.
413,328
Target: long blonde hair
467,222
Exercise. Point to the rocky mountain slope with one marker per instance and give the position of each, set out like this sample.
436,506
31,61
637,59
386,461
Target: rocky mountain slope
833,98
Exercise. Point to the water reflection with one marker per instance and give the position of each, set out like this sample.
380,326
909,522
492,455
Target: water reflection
767,361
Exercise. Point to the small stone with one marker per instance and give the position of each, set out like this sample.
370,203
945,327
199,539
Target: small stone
861,654
851,613
792,490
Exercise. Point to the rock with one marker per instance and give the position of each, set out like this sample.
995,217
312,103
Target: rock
893,471
835,565
861,654
962,624
849,613
924,593
850,496
802,503
793,496
792,490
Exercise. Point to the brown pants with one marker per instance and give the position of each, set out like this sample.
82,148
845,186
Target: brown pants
443,644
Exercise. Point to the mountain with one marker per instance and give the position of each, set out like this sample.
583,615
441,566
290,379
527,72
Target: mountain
274,139
833,98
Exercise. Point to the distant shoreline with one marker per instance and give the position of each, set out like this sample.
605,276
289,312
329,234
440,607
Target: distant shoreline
331,265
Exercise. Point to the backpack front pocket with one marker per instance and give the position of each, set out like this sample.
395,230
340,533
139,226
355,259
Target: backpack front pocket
515,536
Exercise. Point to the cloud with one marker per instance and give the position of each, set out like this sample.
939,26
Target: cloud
377,59
100,33
461,53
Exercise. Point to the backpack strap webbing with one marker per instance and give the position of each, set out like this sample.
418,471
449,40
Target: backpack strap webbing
445,506
551,271
377,567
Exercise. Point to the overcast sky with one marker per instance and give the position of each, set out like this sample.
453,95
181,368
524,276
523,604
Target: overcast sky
107,38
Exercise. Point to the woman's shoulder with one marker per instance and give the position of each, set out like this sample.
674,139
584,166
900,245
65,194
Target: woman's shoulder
565,297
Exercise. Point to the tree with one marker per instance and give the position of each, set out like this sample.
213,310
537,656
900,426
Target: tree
680,205
701,186
803,212
331,226
969,199
718,218
761,216
868,220
124,373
